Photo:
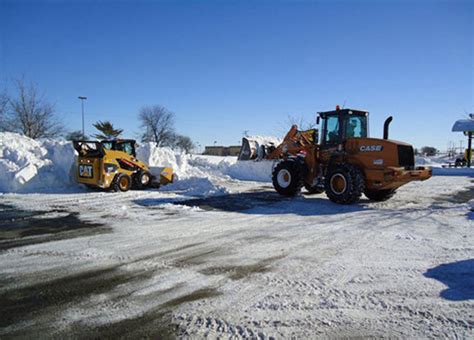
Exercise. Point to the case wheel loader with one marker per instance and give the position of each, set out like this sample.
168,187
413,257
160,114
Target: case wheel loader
346,163
112,165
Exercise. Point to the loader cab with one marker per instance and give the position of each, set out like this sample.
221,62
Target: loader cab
340,125
125,145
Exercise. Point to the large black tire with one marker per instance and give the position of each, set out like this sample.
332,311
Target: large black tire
379,195
142,180
122,182
344,183
287,178
313,190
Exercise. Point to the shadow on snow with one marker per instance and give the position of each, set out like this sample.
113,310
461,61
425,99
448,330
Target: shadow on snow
458,276
261,203
465,172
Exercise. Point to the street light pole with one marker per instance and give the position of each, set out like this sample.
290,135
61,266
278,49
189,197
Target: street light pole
469,152
82,98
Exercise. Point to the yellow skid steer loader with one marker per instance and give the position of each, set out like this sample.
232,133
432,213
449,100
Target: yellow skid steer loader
112,164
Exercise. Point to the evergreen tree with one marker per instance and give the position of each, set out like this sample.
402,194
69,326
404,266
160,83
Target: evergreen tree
107,130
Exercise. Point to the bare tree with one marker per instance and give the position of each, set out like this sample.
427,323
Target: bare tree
3,109
30,114
157,123
302,122
184,143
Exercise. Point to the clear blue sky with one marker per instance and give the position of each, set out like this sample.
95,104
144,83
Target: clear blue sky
228,66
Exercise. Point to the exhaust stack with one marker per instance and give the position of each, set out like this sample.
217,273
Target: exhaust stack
385,127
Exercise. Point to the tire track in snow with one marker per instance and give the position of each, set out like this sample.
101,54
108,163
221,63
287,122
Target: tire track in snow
331,298
207,326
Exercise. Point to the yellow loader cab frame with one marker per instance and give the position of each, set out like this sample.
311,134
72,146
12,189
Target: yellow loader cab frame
112,164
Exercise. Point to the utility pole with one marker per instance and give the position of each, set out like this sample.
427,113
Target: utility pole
469,144
82,98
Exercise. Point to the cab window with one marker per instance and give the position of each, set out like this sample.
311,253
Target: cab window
125,147
107,145
356,127
331,135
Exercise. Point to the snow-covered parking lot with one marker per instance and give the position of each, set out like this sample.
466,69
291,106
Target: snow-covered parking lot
248,264
220,254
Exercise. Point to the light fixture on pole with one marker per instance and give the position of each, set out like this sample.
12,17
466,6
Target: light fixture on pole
467,127
82,98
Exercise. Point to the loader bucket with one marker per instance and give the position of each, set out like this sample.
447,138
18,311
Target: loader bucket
162,175
248,150
256,148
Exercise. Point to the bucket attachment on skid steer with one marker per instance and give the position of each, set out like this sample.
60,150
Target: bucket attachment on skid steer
161,176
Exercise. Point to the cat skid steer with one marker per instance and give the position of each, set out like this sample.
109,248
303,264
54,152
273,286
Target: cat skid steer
112,164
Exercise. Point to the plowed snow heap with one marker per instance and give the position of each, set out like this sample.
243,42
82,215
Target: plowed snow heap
27,165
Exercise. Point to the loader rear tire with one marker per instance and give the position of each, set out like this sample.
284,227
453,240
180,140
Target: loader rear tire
287,178
344,184
122,182
379,195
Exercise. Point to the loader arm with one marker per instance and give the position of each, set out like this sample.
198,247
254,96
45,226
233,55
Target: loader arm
295,141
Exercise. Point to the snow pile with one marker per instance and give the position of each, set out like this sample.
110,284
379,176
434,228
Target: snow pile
423,160
27,165
440,164
242,170
436,161
189,180
203,175
264,140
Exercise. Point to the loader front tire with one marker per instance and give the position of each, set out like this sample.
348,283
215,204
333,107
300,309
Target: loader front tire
379,195
122,182
344,184
287,178
143,179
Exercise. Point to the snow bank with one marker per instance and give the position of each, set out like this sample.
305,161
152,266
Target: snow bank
436,161
263,140
242,170
190,180
27,165
201,175
421,160
440,163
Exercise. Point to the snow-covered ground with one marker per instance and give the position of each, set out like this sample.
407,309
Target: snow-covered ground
220,254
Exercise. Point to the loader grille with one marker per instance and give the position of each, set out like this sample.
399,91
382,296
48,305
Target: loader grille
406,157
